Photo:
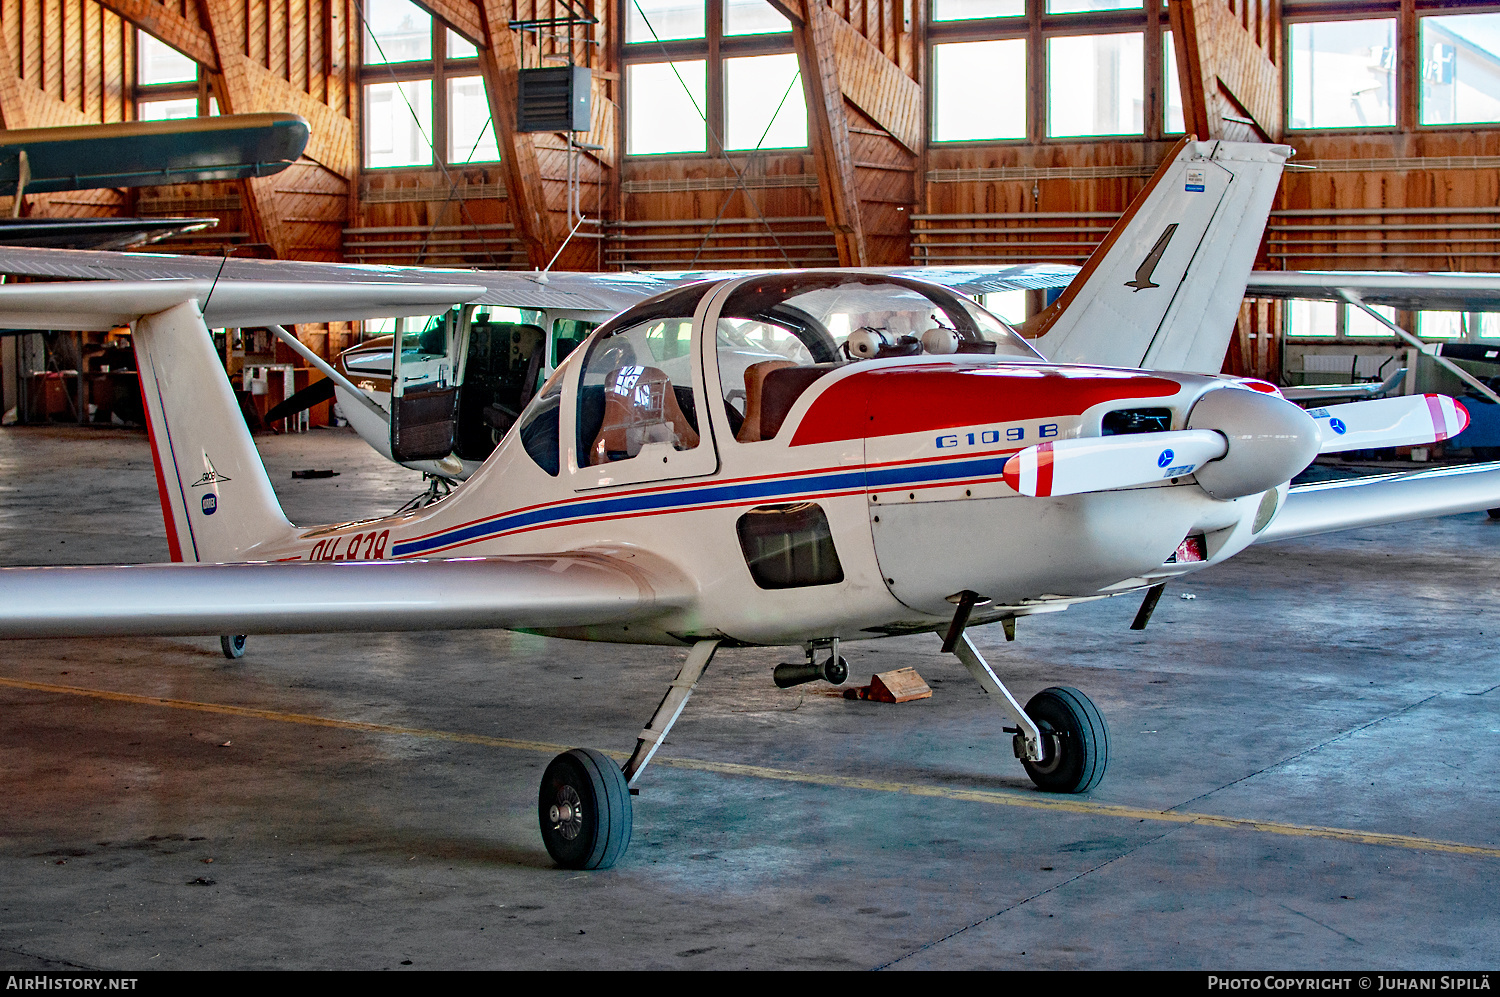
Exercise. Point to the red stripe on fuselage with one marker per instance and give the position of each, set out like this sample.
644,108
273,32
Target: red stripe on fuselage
897,400
174,547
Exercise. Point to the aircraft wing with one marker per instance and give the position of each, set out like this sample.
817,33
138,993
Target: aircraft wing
515,288
1321,393
1469,292
1375,500
517,592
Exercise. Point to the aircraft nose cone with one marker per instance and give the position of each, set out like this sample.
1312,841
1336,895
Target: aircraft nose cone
1270,441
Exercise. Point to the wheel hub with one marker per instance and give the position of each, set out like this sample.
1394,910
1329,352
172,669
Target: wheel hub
1051,751
566,814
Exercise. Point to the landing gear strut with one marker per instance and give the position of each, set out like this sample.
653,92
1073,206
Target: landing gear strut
584,805
1060,737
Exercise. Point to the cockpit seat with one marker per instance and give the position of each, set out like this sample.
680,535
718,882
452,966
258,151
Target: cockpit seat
755,377
640,407
780,390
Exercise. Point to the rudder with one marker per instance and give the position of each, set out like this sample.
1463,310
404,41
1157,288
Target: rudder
216,497
1164,287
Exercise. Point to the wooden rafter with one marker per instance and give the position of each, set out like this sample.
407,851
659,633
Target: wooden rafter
500,63
1231,89
816,43
877,86
247,86
461,15
167,25
257,88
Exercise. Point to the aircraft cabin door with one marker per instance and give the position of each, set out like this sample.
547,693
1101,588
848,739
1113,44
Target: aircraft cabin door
425,381
638,412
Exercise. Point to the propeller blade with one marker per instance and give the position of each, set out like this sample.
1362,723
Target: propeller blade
313,394
1408,420
1099,463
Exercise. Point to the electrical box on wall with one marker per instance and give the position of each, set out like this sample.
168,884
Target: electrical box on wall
555,99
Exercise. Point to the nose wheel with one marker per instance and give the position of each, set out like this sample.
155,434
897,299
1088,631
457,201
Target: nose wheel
584,808
1075,741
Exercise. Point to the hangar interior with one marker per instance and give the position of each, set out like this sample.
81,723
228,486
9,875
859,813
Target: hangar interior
1302,774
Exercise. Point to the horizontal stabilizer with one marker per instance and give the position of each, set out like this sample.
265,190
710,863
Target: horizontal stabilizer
1096,464
226,304
1376,500
531,592
1406,421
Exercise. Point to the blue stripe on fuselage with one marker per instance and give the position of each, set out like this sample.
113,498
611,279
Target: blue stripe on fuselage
700,494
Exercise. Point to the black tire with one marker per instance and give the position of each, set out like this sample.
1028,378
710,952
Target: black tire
836,670
233,647
584,809
1075,741
1493,513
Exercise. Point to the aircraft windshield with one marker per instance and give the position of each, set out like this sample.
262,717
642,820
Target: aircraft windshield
854,317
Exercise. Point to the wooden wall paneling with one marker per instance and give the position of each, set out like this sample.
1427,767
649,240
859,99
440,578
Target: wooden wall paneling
462,16
500,63
91,40
1227,78
876,85
828,129
169,24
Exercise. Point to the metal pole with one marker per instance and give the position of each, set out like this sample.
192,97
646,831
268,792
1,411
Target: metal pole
1442,361
297,347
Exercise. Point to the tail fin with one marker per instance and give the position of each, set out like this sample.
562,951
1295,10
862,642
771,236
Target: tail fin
217,500
215,495
1164,287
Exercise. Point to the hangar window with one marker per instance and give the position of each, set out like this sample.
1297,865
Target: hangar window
789,546
424,99
1460,68
166,83
969,10
1050,69
1174,123
1335,320
1096,85
1343,74
701,74
996,68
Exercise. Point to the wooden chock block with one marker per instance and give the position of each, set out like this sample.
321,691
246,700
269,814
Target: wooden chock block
899,686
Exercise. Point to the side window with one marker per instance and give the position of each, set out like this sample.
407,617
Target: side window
789,546
636,393
567,333
539,432
750,351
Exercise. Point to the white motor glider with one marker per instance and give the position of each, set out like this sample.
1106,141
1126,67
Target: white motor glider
779,459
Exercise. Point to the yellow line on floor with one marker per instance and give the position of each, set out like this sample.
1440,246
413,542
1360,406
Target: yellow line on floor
991,797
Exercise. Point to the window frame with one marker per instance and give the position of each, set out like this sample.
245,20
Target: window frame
1408,57
713,48
439,70
150,93
1036,26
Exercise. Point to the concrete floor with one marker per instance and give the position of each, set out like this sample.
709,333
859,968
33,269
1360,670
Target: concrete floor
368,801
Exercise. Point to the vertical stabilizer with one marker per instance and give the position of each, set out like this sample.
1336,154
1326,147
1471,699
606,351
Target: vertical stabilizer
1164,288
216,498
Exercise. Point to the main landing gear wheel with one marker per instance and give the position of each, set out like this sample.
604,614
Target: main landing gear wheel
233,647
1075,742
584,808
